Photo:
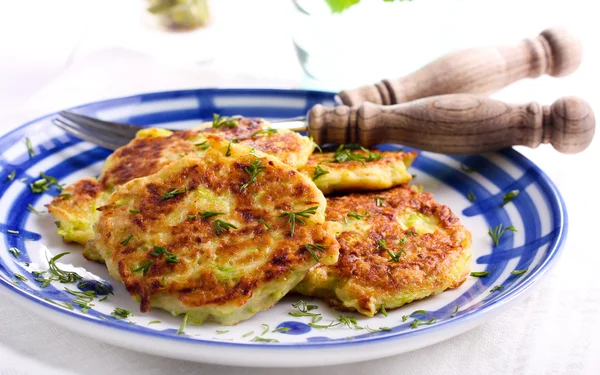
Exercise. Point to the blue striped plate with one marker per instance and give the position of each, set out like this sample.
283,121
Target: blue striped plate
538,213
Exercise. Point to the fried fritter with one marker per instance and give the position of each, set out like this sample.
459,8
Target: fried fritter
75,209
149,152
396,246
221,236
290,147
348,170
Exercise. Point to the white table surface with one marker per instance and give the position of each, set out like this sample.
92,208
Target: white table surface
50,64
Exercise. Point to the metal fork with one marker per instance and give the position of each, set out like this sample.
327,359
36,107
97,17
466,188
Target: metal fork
112,135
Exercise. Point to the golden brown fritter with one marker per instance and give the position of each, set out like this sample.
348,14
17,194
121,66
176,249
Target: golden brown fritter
153,149
75,209
396,246
357,170
158,237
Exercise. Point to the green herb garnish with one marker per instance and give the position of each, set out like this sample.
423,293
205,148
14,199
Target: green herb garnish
14,251
57,223
12,175
248,334
372,330
21,277
121,313
219,332
126,240
263,339
65,195
44,183
134,211
203,145
349,321
455,312
323,326
383,310
173,193
402,241
296,216
496,288
480,274
519,272
411,232
315,145
319,172
228,152
281,329
508,197
417,323
304,309
62,276
418,312
170,257
404,318
379,201
358,216
497,232
10,231
82,299
191,217
181,329
343,155
154,322
66,305
311,247
266,132
208,214
29,146
221,225
395,256
253,170
471,196
264,223
266,329
219,121
33,210
144,267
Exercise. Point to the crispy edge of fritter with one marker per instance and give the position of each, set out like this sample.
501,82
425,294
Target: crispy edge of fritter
387,172
75,210
152,208
365,277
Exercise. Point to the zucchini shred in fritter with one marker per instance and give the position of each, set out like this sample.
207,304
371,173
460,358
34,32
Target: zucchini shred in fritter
208,236
396,246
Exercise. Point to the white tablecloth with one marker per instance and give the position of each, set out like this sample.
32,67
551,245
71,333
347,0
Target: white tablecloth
556,330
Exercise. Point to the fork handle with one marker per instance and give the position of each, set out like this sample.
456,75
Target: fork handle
478,70
458,124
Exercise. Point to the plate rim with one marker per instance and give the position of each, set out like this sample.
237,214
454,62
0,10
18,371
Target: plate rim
554,250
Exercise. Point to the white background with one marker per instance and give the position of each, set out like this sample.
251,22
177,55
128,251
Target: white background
55,54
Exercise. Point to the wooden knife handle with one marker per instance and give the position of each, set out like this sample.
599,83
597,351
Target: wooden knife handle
458,124
478,70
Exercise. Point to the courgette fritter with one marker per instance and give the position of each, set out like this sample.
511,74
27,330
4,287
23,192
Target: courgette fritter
396,246
221,236
358,170
149,152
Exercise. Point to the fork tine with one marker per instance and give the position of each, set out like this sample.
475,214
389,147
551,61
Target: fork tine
128,131
104,133
110,143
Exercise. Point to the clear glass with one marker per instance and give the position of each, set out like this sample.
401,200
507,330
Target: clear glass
372,40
